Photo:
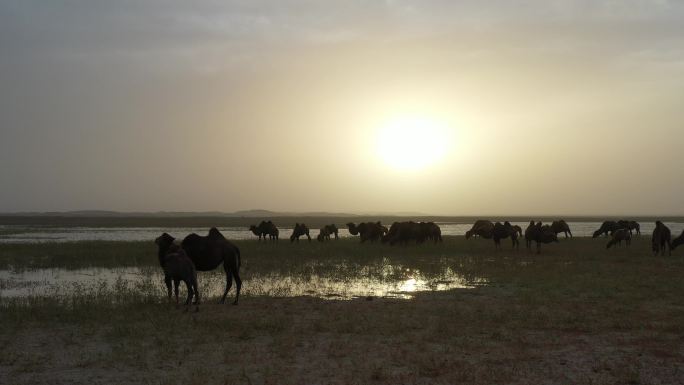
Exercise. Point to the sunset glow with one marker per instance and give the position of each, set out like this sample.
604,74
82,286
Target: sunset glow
412,143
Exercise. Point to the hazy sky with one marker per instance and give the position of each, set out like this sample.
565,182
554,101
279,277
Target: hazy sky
550,107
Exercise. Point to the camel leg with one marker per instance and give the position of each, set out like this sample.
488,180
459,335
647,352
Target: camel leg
190,295
197,294
238,285
229,283
175,289
167,281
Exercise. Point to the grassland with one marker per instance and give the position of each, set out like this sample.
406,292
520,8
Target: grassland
575,314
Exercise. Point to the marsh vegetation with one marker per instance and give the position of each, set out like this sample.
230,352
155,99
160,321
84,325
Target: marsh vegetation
577,313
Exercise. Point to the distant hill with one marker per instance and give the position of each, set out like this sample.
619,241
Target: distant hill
255,213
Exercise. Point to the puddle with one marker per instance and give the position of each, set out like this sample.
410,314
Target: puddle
397,283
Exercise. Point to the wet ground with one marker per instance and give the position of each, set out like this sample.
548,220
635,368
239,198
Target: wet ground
396,283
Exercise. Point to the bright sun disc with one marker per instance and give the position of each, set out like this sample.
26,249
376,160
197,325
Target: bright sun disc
412,143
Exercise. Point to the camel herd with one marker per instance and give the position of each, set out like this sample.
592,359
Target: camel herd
180,262
536,232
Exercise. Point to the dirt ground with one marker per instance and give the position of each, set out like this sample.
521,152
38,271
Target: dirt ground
480,336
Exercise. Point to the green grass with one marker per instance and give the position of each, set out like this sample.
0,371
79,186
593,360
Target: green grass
577,313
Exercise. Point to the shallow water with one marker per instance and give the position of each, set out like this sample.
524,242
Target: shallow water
37,234
394,281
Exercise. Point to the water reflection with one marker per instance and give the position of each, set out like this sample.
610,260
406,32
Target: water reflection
63,283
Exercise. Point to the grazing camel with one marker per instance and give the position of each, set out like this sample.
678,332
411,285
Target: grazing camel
677,241
561,226
326,231
661,239
207,253
630,225
418,232
299,230
502,231
265,228
431,231
179,267
539,233
607,227
368,231
322,236
620,235
400,232
332,230
481,228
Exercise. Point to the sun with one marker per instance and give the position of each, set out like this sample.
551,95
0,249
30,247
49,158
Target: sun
412,143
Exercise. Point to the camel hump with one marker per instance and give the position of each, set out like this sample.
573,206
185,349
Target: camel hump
215,234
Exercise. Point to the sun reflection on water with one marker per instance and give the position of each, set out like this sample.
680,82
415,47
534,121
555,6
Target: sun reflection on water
390,281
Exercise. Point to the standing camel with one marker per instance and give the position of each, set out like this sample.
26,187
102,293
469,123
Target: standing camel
207,253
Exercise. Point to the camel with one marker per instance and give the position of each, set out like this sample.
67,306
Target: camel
367,231
332,230
607,227
561,226
431,231
677,241
502,231
482,228
530,233
326,231
299,230
265,228
620,235
661,239
322,236
539,233
630,225
400,232
405,232
207,253
179,267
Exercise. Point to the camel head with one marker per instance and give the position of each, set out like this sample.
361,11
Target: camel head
469,234
596,233
352,228
254,229
165,242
